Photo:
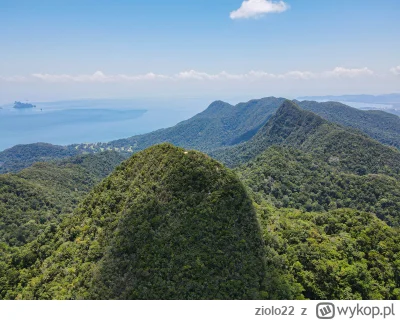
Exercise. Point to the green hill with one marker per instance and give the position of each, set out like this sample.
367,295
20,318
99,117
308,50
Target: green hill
44,193
176,224
167,224
350,151
379,125
23,156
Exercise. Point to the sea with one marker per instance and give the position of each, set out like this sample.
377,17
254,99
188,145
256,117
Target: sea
89,121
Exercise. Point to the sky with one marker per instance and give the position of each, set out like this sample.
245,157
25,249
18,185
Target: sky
59,49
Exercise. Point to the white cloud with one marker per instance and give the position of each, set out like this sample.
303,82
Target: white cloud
252,75
193,75
260,74
349,73
296,75
395,71
98,76
258,8
305,75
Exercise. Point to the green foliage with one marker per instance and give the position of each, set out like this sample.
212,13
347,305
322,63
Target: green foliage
349,151
290,178
167,224
46,192
23,156
337,255
379,125
172,224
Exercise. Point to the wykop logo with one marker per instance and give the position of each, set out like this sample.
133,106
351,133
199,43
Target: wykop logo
326,310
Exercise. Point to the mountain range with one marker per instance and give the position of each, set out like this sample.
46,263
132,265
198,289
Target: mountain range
282,200
220,125
304,130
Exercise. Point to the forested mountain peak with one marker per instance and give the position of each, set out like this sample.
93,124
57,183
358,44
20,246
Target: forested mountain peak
349,150
291,110
289,125
288,106
217,108
291,122
221,124
167,223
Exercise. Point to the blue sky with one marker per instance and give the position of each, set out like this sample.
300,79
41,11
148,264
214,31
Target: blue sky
97,49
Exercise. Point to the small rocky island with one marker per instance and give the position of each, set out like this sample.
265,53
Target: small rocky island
21,105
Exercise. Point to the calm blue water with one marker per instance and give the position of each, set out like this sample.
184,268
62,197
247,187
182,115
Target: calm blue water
71,122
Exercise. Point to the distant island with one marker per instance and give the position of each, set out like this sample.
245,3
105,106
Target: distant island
21,105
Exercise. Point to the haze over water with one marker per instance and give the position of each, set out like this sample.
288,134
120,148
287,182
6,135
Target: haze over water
69,122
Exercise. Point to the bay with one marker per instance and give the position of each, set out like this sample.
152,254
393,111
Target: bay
87,121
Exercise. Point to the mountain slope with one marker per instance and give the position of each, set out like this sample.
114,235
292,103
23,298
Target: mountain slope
23,156
173,224
379,125
290,178
44,193
221,124
167,224
304,130
337,255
